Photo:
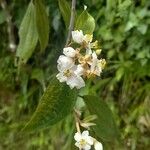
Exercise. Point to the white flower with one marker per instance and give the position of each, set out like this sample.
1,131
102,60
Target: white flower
69,52
69,72
83,141
98,145
79,62
77,36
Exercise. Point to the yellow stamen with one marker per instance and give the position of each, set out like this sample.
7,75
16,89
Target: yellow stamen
67,73
83,142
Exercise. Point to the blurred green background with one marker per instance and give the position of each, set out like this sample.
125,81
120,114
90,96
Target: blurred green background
123,29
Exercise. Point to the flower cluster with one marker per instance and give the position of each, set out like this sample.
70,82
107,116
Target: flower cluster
79,63
84,141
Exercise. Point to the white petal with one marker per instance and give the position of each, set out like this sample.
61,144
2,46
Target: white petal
64,62
77,36
85,133
61,77
89,140
81,83
79,70
77,136
98,146
75,81
88,51
69,52
94,61
87,147
78,145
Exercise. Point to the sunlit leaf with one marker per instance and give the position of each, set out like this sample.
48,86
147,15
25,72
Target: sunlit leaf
42,23
65,11
28,35
55,104
119,73
105,127
85,22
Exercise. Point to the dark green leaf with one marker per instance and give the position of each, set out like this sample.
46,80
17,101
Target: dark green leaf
38,75
42,23
85,22
105,127
65,11
27,34
55,104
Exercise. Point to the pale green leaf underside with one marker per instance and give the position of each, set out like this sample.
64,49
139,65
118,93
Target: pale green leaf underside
85,22
27,34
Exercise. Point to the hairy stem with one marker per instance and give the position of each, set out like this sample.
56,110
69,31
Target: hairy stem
72,19
10,26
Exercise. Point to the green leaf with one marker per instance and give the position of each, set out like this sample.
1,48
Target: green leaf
119,73
42,23
55,104
65,11
27,34
105,127
85,22
38,75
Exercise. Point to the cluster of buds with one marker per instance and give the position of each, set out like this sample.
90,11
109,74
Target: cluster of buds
85,142
81,62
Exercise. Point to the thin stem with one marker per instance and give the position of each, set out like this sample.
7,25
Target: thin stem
77,120
78,127
10,26
72,19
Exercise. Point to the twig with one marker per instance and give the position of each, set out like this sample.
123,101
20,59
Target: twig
72,19
10,26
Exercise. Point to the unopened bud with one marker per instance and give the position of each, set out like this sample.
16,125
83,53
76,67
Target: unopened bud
98,51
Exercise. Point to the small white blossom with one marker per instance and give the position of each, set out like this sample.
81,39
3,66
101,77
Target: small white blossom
98,145
69,72
69,52
83,141
77,36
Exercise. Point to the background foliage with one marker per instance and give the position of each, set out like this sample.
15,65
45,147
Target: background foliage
123,29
